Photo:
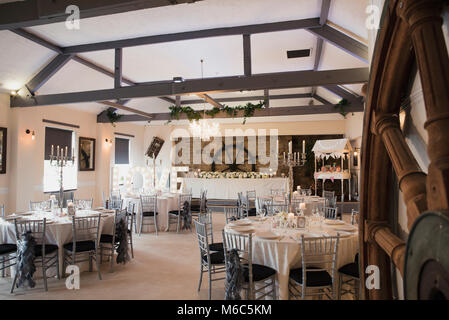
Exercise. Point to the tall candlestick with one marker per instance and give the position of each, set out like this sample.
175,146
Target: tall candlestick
303,146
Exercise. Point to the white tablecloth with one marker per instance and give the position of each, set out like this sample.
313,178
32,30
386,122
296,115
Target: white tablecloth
285,253
228,189
165,204
58,232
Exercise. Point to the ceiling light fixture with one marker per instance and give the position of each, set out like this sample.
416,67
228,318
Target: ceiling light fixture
202,128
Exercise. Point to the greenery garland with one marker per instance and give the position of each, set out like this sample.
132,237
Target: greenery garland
113,116
248,111
341,105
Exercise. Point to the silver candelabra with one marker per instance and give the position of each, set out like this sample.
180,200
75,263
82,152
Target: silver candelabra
61,160
294,159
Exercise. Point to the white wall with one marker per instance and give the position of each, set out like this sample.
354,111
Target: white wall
24,179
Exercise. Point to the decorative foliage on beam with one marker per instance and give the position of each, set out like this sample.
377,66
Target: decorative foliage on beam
248,111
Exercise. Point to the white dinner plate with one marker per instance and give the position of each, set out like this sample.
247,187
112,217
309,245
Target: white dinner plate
267,235
243,229
343,234
254,218
346,228
240,223
333,222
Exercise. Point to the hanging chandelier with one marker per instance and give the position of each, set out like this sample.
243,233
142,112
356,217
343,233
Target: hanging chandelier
203,128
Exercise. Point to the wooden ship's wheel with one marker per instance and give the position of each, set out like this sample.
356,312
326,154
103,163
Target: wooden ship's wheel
234,166
411,34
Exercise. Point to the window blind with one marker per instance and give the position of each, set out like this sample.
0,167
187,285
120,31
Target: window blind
57,137
121,151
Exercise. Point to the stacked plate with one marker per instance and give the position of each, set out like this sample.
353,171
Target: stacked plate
267,235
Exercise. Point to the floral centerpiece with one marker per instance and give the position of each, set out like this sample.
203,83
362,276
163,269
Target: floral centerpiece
232,175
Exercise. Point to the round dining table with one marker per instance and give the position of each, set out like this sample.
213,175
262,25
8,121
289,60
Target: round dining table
58,230
165,203
283,252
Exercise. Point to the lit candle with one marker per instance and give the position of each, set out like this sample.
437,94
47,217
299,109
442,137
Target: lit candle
57,151
52,150
66,151
303,146
289,147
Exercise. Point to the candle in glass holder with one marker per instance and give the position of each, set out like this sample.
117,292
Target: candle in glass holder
302,206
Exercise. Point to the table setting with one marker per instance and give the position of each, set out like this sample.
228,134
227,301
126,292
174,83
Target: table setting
58,226
276,240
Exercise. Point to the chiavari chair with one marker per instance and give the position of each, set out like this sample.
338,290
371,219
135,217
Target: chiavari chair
108,242
148,205
253,274
174,216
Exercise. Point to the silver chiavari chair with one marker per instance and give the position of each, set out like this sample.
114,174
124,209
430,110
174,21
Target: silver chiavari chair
202,207
254,274
263,206
115,195
85,241
243,205
148,205
45,254
131,217
210,262
83,203
174,216
349,279
7,250
115,204
354,217
251,198
330,198
330,213
40,205
206,218
231,213
108,242
316,277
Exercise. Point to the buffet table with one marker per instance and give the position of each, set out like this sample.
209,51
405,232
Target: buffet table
227,189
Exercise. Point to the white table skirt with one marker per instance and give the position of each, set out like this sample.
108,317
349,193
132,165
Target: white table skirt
285,254
228,189
59,233
164,205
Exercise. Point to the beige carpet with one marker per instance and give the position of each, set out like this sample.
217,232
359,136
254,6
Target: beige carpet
164,267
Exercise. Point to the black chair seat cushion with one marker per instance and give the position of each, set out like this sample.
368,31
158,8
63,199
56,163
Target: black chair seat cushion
105,238
252,212
49,248
217,246
174,212
260,272
313,279
149,214
7,248
215,257
195,207
350,269
81,246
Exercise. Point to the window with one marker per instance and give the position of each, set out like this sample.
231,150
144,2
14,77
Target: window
62,138
121,151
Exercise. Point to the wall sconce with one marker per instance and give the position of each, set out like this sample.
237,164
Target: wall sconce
108,140
28,131
14,93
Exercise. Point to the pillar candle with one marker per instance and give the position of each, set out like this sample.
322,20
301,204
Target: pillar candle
290,147
52,150
57,151
303,146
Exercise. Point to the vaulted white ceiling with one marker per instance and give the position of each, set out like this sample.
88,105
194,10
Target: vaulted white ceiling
21,59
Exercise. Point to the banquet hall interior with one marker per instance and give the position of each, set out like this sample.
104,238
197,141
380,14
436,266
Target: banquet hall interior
224,150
